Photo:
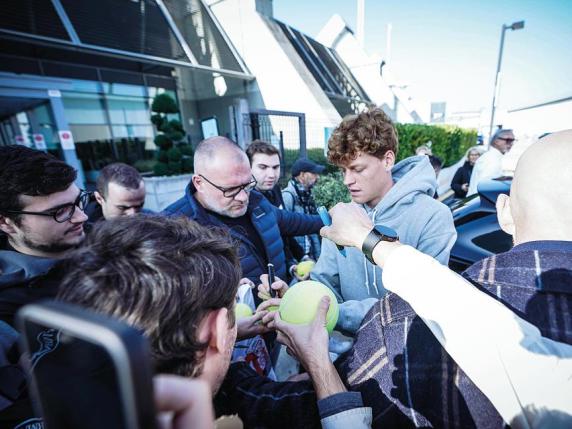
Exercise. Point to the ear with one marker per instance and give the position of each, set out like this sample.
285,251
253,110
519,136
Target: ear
197,181
7,225
214,331
99,198
389,160
221,338
504,214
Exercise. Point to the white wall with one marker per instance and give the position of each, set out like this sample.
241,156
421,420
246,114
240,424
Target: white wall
282,78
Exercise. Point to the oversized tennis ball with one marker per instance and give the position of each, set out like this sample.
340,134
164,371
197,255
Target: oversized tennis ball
300,303
304,267
242,310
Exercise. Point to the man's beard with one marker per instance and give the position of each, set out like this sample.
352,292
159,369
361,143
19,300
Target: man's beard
50,247
209,205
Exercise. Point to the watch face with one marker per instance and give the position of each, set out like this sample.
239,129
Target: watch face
387,231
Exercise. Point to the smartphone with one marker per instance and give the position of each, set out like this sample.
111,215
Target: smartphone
271,279
327,220
87,370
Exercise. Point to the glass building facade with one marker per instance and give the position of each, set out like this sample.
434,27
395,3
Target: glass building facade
90,69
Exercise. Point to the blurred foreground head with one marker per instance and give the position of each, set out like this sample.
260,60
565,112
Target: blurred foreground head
171,278
540,204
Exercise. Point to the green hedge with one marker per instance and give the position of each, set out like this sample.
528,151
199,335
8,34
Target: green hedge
448,142
331,190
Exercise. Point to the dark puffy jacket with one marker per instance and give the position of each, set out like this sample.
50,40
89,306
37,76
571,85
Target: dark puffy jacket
462,175
268,220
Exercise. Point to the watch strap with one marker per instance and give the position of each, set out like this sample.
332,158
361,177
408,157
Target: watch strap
372,240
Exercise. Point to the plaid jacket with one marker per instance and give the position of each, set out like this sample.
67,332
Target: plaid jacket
406,376
402,371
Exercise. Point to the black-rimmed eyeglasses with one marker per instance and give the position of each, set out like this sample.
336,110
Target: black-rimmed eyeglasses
233,191
64,212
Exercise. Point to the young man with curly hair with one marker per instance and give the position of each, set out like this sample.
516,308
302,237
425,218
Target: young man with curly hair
398,196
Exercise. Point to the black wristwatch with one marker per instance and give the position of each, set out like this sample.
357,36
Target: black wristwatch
377,234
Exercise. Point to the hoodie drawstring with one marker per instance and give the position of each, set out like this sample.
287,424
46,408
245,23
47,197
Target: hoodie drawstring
373,213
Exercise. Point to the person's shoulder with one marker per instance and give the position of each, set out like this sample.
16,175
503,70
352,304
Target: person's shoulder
425,205
184,205
258,200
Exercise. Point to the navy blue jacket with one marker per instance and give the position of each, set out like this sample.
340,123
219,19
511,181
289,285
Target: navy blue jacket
269,222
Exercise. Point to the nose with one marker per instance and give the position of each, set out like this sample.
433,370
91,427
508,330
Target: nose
131,211
242,196
79,216
348,178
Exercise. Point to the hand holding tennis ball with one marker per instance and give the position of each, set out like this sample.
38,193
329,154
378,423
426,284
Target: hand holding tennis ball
303,268
242,310
300,303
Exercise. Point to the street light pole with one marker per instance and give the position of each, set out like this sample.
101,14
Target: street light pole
514,26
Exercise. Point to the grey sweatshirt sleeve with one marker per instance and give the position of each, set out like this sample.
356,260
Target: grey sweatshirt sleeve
326,269
352,313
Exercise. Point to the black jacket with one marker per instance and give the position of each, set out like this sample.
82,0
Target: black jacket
462,176
24,279
292,249
269,221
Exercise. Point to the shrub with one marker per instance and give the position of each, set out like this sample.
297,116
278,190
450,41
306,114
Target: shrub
331,190
173,155
448,142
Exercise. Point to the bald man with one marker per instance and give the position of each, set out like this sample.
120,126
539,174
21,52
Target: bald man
222,193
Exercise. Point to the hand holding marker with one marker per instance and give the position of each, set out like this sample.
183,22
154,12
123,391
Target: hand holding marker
327,220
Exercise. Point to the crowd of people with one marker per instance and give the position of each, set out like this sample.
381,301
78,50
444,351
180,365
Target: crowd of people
427,348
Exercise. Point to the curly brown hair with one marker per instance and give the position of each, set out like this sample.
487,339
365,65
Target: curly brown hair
370,132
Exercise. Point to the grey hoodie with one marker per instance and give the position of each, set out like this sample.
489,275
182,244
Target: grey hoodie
420,221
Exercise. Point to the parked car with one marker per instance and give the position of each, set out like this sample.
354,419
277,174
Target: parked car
478,232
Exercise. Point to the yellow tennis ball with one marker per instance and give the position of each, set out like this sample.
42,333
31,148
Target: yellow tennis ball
242,310
300,304
304,268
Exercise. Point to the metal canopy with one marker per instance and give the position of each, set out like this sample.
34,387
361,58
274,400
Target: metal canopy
329,70
142,29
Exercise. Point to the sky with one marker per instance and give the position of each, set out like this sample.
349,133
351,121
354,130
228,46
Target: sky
448,50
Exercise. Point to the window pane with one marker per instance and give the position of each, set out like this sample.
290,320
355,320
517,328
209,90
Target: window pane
32,16
128,111
133,26
201,34
83,108
85,133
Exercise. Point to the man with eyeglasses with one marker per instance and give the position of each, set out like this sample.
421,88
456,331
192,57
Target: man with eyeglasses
489,165
222,194
41,221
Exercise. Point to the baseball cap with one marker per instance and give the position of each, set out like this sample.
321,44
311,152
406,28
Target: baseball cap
303,164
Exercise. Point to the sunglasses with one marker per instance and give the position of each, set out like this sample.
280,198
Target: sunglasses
506,140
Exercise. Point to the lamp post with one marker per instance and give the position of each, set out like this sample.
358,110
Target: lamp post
514,26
